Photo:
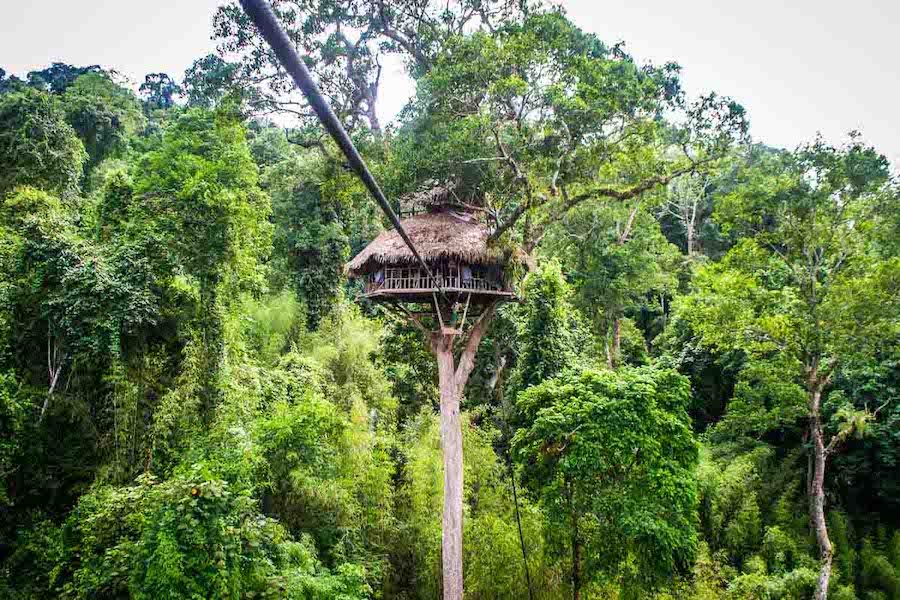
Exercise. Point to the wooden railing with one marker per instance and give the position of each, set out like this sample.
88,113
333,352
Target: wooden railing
416,279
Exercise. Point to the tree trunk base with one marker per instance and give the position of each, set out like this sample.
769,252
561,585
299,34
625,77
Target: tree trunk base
451,444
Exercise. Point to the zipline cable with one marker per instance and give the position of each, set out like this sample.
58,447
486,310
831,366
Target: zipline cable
262,16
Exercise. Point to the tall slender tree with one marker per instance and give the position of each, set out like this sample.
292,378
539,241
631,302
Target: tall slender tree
809,286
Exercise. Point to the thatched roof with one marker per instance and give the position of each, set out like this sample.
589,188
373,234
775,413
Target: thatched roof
445,234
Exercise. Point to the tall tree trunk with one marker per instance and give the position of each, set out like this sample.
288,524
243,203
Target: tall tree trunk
817,488
690,241
451,443
451,382
616,341
55,360
612,349
691,229
374,123
607,349
528,235
612,343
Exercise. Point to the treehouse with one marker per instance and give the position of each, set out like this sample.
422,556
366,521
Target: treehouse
451,303
465,269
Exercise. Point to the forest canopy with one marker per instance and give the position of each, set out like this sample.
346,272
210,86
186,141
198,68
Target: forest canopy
696,395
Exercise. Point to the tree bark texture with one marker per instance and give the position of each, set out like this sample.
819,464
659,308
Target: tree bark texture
817,490
612,343
613,348
55,360
451,444
451,382
691,228
616,342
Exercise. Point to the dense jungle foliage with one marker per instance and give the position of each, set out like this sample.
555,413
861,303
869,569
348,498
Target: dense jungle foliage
697,397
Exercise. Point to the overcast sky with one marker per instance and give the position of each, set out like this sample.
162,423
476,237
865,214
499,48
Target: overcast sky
798,66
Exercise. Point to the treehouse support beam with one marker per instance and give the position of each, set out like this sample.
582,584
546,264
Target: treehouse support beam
451,446
452,378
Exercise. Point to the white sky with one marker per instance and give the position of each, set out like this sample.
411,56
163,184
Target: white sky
798,66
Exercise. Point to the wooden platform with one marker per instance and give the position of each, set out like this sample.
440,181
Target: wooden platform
425,295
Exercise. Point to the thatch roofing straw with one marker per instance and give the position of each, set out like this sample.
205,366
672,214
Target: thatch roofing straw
436,235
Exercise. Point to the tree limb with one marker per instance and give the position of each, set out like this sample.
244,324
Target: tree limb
570,202
628,225
467,358
405,43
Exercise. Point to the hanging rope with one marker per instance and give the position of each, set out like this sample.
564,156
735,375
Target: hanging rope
507,458
512,478
262,16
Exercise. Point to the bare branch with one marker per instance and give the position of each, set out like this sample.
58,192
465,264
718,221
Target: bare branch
404,42
480,160
570,202
628,225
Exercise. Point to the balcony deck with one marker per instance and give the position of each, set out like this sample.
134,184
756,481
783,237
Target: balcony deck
412,285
